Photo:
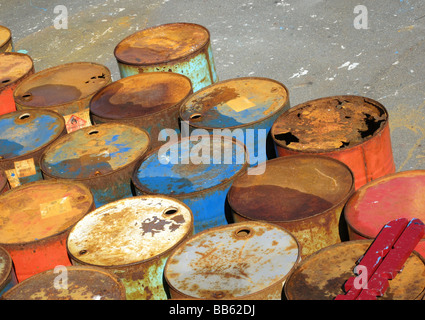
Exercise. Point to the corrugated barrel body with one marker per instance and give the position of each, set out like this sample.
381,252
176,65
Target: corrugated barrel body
304,194
150,101
24,135
7,272
198,173
352,129
6,42
36,219
66,89
397,195
14,68
244,108
242,261
132,238
321,276
183,48
69,283
102,157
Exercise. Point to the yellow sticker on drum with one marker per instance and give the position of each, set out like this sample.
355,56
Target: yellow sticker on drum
240,104
55,207
77,120
25,168
13,178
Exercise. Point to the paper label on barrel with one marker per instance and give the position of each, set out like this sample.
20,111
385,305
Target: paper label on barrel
77,120
13,178
240,104
55,207
25,168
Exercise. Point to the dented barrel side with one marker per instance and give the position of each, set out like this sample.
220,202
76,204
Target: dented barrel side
183,48
14,68
352,129
132,238
24,136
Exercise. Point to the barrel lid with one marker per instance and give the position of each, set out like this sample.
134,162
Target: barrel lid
94,151
321,275
5,35
62,84
140,95
292,188
163,43
232,261
177,170
6,266
22,132
329,124
130,231
82,283
234,102
14,66
41,209
385,199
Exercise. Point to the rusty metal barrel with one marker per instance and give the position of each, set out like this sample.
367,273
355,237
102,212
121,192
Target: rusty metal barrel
183,48
321,276
242,261
132,238
7,272
14,68
397,195
198,173
66,89
4,184
305,194
244,108
36,219
6,41
352,129
24,136
150,101
101,156
69,283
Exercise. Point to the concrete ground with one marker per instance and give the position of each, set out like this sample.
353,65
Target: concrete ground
315,47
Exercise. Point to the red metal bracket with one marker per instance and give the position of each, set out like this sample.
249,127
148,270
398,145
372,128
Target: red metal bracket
383,259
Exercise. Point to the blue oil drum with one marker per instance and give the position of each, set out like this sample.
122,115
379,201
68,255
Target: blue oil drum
102,157
198,171
24,135
243,108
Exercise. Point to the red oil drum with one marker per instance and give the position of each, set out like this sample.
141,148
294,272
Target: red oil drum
183,48
36,218
397,195
149,101
7,272
352,129
14,68
305,194
240,261
321,276
69,283
65,89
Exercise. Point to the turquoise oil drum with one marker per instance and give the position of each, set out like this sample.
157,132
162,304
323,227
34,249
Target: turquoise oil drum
198,173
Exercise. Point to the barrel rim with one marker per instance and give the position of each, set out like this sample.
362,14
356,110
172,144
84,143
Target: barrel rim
351,200
44,146
140,187
140,75
26,74
320,251
280,109
339,150
299,156
8,268
42,274
136,263
190,54
236,225
41,74
9,38
122,168
54,235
